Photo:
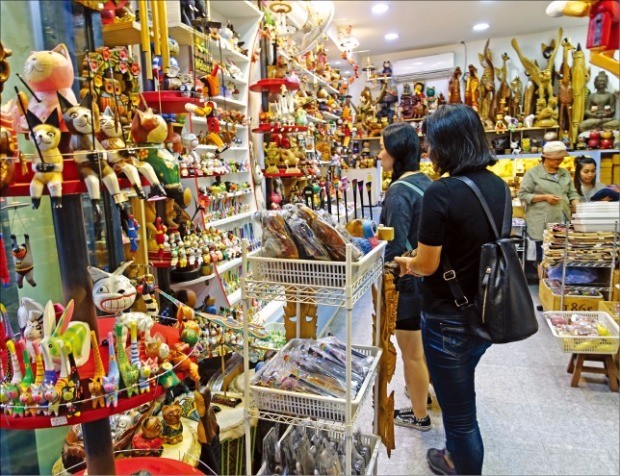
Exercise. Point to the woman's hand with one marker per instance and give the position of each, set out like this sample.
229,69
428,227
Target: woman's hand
404,262
553,199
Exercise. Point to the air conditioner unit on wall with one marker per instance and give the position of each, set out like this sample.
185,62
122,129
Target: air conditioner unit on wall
423,68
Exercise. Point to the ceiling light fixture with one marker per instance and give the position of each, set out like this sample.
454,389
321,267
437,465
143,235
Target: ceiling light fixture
380,8
391,36
481,26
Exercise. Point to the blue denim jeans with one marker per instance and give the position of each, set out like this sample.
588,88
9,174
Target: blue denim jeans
452,355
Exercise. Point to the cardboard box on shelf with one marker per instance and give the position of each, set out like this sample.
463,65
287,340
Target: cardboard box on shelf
551,302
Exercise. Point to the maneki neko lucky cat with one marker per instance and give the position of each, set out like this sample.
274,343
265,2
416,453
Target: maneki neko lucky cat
113,293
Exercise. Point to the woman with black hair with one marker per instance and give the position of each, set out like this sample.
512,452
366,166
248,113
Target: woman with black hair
400,154
453,225
585,178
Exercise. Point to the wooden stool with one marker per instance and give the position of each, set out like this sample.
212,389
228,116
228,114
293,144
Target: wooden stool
576,366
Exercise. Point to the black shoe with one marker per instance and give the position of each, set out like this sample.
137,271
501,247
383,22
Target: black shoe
405,417
539,308
437,462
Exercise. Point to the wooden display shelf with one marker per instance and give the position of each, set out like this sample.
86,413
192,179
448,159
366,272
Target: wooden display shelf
87,415
274,85
172,102
121,34
71,184
86,371
229,101
278,129
523,129
284,174
185,36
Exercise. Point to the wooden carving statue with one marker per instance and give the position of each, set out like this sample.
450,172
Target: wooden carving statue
454,87
542,78
579,78
515,100
366,109
486,109
471,87
504,93
565,93
387,364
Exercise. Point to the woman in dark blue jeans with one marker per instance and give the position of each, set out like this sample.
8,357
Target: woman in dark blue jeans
453,224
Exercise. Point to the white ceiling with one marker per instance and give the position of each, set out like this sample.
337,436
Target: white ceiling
426,24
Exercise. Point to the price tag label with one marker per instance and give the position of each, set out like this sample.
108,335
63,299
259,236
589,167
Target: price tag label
58,421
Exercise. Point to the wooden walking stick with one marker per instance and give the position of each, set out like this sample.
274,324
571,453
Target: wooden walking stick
360,189
354,187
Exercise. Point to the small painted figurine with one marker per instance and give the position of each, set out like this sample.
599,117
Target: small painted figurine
24,262
113,293
30,317
37,388
132,233
111,381
47,163
129,373
124,160
172,428
95,385
148,442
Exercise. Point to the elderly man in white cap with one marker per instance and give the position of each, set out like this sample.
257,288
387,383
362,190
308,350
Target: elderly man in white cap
548,193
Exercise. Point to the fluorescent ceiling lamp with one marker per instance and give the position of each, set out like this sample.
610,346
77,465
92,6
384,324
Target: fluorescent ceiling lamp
481,26
391,36
380,8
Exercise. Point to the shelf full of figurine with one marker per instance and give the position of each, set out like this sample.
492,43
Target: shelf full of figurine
517,115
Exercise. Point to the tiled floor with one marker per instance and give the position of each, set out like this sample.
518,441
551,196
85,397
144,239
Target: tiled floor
532,421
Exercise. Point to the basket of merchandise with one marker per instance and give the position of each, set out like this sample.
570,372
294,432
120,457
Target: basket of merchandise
281,455
302,247
305,272
584,332
306,379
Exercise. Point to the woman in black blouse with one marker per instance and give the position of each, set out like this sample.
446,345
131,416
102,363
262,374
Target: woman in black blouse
454,224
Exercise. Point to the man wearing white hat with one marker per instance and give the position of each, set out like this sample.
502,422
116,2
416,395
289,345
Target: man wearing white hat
548,193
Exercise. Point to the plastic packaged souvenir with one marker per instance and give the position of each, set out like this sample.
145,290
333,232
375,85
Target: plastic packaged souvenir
307,241
277,241
322,225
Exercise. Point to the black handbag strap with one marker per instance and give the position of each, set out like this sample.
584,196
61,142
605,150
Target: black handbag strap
506,221
449,274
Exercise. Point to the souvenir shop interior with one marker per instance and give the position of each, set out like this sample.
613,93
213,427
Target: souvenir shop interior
192,257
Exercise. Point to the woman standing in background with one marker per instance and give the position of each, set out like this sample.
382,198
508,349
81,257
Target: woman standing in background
585,178
402,207
548,193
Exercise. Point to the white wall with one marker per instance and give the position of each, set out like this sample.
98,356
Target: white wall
530,46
